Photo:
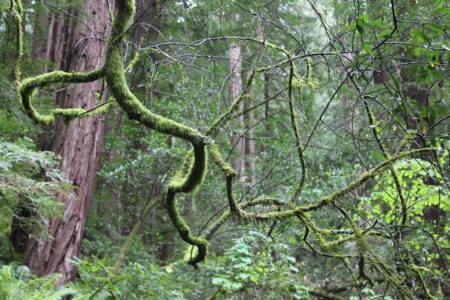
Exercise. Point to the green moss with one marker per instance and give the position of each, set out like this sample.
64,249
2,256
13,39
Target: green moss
134,60
295,128
186,182
183,229
17,12
131,105
234,207
214,152
30,85
209,232
226,116
418,271
193,170
297,82
278,215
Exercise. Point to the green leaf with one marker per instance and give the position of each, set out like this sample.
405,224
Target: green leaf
384,33
350,27
417,51
420,35
376,22
292,240
436,27
439,3
168,268
379,155
364,18
444,10
368,291
219,281
367,47
243,276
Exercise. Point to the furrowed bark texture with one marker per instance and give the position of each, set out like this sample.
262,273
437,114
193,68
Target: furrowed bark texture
80,48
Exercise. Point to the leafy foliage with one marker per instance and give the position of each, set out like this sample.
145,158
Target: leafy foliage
16,282
134,281
29,180
254,265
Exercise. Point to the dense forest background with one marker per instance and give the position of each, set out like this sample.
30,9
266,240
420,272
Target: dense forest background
164,149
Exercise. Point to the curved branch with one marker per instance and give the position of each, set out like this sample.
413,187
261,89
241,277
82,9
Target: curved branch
28,86
193,171
326,200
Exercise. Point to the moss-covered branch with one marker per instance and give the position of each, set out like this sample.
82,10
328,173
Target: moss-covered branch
30,85
26,88
296,130
339,193
16,10
193,170
115,78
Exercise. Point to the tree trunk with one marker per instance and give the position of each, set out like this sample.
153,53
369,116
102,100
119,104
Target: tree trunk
244,142
79,47
235,92
249,142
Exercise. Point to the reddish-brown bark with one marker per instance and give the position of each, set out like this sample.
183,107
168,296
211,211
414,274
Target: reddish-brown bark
76,46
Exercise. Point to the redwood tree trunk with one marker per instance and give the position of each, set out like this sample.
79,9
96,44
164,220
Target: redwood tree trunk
75,47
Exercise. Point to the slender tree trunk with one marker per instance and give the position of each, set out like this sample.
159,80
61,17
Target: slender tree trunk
266,108
235,91
249,142
75,47
267,130
245,144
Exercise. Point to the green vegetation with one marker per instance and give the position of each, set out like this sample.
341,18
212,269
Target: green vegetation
325,177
